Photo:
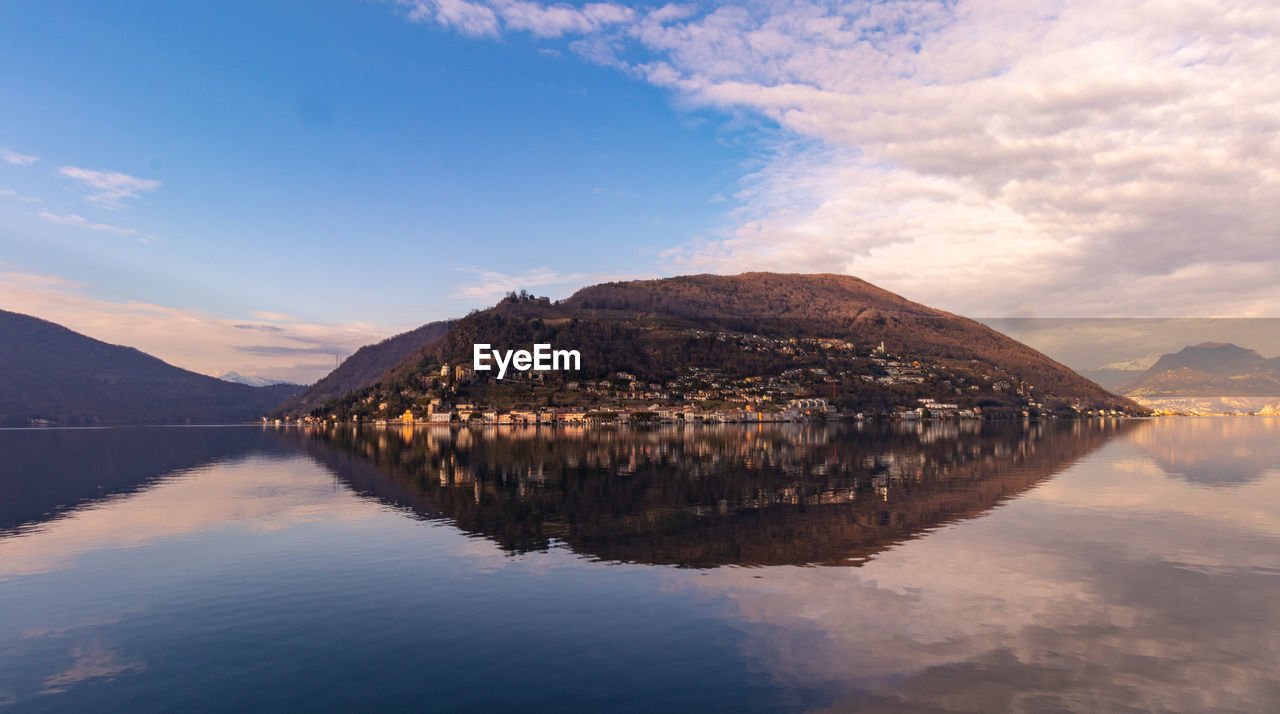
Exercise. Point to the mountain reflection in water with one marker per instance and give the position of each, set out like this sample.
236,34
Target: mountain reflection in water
1213,451
1060,566
704,496
49,473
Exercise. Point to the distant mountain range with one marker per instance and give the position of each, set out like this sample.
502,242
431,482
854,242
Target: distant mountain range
743,327
251,380
1209,369
363,368
52,375
833,336
1116,376
1211,377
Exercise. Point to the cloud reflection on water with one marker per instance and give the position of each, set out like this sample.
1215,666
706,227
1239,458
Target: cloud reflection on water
1097,575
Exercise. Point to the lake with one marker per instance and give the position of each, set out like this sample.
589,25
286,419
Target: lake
1095,565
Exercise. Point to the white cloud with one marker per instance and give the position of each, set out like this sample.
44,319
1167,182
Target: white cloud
467,17
273,345
72,219
480,19
989,157
13,157
10,193
268,316
110,188
556,20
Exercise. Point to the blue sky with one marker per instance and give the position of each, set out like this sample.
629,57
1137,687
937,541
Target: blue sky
338,149
260,186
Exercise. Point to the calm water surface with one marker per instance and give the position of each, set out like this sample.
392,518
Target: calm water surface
1082,566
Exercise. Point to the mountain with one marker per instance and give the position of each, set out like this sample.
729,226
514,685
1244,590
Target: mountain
251,380
1132,365
364,367
1209,369
1113,380
1116,376
1208,378
49,374
762,337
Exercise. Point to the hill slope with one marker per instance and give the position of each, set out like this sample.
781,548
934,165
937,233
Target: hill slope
364,367
756,337
50,373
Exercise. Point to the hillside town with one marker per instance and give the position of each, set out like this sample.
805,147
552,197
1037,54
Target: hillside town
852,384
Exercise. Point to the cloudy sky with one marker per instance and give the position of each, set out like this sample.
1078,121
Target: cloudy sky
260,187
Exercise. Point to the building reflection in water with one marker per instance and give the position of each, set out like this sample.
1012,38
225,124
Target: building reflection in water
703,496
